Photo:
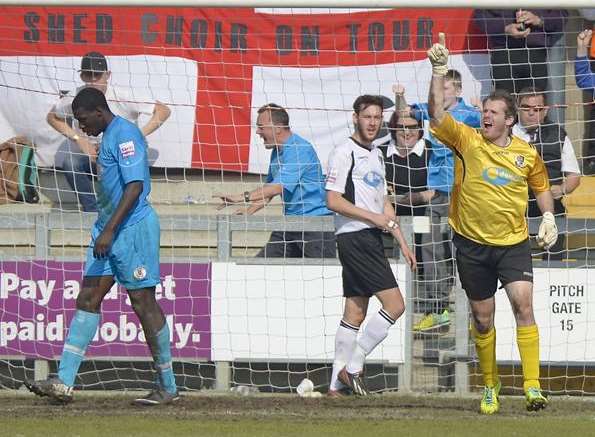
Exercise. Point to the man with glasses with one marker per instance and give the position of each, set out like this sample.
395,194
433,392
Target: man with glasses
436,245
79,152
554,146
585,79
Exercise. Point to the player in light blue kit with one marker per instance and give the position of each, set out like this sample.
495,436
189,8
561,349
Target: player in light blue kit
124,247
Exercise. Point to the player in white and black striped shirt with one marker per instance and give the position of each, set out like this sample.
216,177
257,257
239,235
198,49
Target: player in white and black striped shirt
356,192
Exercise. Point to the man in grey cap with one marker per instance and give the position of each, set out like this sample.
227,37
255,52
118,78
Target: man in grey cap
79,151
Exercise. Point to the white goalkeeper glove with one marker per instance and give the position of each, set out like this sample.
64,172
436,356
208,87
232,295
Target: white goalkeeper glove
438,56
548,231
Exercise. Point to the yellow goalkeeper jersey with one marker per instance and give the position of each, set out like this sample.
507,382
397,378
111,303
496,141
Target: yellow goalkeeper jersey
490,192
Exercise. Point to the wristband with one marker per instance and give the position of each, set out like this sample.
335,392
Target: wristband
392,224
247,196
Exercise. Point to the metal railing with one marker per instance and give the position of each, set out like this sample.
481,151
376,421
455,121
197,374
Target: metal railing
226,225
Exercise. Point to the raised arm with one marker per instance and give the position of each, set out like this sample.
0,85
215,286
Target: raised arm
582,43
400,101
438,56
585,79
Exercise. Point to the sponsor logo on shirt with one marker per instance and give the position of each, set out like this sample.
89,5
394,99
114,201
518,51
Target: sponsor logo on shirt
127,149
373,179
499,176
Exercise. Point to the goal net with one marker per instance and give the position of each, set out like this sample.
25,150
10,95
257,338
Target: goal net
200,75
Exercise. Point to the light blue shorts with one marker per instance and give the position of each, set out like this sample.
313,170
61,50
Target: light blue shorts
134,256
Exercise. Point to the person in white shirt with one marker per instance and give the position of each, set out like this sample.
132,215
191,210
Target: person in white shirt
356,192
555,147
79,151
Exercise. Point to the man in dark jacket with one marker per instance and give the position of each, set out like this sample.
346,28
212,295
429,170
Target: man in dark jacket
518,42
556,150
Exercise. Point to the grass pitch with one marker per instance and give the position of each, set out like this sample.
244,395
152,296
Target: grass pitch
111,415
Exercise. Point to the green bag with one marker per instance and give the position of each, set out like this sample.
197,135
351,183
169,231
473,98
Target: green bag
28,176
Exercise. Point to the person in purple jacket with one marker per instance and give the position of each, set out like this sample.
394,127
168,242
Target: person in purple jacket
518,43
585,79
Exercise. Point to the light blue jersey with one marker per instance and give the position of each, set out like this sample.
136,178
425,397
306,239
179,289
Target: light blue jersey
122,159
297,168
133,258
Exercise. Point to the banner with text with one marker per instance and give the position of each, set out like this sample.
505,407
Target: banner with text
37,302
564,312
215,67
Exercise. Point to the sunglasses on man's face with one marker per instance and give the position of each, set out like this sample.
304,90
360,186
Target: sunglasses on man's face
407,127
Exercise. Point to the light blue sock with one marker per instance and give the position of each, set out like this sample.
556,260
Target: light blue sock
163,361
82,330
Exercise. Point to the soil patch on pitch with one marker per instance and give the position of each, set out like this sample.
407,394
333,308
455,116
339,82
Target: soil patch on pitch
267,407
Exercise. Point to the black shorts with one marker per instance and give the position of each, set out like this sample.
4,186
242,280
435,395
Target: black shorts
366,270
480,266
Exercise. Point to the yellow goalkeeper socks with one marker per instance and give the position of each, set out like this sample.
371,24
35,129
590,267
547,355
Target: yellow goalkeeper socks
485,345
527,338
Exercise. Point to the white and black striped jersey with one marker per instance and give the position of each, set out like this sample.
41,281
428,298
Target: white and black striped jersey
359,174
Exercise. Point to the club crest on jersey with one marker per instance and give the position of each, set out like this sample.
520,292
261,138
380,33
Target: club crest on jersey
127,149
140,273
519,161
373,179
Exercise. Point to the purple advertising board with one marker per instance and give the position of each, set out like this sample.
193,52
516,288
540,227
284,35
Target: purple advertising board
37,302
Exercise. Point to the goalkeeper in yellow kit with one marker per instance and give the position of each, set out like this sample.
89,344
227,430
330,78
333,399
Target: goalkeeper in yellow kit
493,172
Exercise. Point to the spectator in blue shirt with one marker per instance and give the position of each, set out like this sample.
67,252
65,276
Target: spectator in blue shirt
585,79
436,245
295,174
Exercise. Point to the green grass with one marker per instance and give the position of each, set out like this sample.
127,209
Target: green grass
264,415
137,426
